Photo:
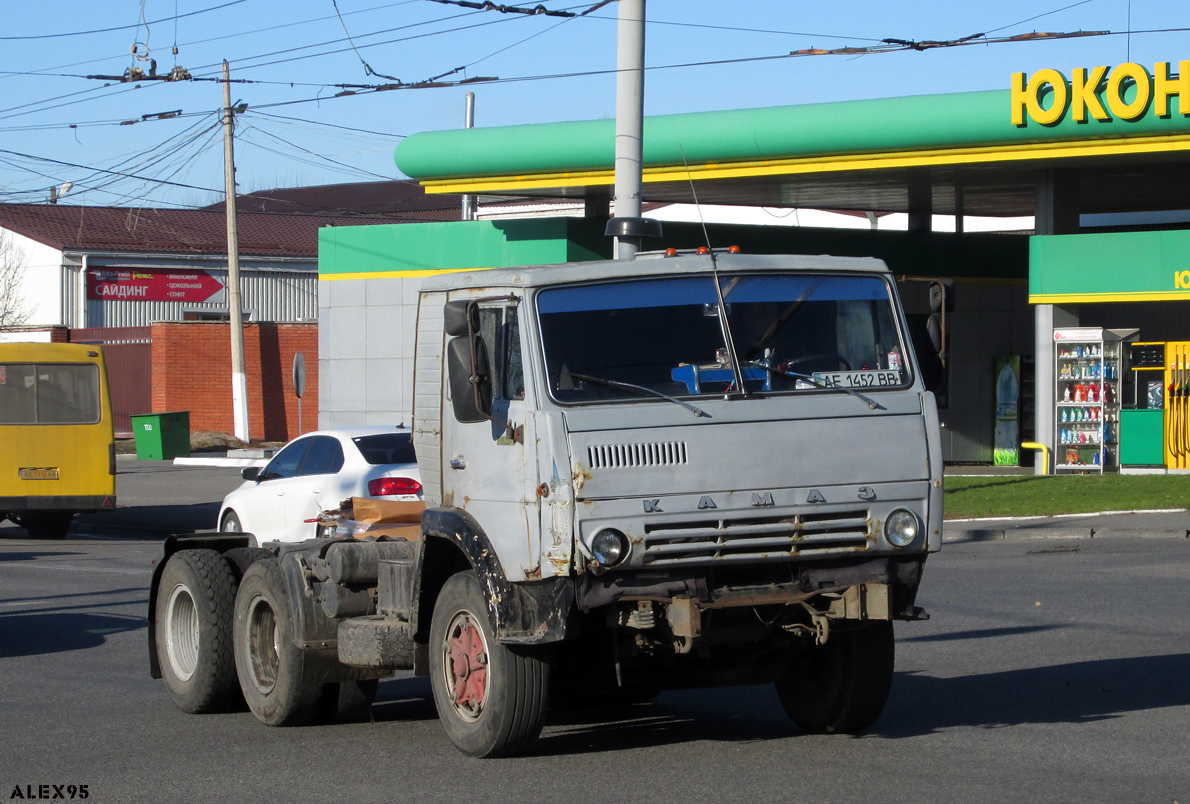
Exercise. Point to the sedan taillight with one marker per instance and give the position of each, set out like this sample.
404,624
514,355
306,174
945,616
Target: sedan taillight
393,486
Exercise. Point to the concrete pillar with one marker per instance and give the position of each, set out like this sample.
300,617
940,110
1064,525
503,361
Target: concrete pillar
921,203
1055,212
1056,206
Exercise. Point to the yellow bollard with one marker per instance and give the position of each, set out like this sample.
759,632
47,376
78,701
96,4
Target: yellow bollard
1045,453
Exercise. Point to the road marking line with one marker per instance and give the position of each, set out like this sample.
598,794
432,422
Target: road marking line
67,568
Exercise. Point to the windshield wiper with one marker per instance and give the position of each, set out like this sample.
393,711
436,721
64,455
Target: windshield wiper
640,388
817,382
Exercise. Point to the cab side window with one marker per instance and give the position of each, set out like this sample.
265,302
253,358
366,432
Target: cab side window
286,462
502,337
325,457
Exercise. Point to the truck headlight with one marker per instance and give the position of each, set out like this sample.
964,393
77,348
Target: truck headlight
900,528
609,547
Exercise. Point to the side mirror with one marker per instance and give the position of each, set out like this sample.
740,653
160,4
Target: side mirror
250,473
470,383
460,318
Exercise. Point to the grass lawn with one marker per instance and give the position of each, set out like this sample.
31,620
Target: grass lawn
1032,495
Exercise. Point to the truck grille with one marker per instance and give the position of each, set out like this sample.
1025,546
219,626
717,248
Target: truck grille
656,453
751,539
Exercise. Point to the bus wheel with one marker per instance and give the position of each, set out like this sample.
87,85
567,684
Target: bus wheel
842,686
49,525
491,698
193,622
269,664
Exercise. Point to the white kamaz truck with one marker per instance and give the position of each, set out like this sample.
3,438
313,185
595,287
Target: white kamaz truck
675,471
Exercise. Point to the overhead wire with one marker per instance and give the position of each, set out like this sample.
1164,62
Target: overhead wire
323,157
269,29
175,18
253,110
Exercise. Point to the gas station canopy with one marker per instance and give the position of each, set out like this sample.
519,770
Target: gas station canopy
972,153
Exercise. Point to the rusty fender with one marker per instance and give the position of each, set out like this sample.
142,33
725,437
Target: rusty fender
525,613
207,541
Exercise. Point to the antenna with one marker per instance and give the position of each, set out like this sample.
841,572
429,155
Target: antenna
737,372
698,207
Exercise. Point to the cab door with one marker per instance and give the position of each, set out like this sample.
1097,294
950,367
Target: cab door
490,467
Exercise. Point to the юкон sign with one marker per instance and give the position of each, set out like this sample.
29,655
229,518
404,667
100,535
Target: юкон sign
1099,94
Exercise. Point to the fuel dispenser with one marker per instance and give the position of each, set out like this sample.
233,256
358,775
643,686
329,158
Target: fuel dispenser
1142,421
1177,405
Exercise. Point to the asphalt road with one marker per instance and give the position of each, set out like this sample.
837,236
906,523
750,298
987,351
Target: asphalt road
1051,671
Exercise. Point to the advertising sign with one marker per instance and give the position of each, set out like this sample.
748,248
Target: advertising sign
155,284
1006,451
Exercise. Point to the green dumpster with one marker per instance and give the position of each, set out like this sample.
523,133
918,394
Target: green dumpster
160,436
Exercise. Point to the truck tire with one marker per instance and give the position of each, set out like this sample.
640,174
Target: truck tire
842,686
269,664
347,701
195,600
240,558
491,698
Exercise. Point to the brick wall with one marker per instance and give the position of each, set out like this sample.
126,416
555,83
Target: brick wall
192,371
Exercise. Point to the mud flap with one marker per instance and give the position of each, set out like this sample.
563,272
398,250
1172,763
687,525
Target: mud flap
526,613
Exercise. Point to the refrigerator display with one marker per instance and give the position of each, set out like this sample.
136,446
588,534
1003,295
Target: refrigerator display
1087,373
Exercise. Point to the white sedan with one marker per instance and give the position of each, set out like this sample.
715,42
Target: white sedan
315,473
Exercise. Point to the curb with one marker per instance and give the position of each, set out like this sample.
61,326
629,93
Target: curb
1060,534
221,462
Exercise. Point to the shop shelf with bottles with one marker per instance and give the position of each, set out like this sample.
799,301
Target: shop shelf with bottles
1087,408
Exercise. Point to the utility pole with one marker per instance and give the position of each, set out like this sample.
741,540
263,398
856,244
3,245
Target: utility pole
239,380
469,122
628,227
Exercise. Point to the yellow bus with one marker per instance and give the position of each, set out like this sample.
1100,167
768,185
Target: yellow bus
57,446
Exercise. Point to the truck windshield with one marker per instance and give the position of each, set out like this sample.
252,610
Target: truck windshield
665,335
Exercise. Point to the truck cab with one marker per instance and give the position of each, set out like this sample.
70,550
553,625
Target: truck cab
672,471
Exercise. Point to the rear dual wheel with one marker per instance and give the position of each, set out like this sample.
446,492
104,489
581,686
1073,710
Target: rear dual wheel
193,623
270,666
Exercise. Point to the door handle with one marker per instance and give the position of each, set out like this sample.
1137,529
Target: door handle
316,491
458,463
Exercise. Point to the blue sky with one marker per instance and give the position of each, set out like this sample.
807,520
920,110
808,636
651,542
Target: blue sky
297,52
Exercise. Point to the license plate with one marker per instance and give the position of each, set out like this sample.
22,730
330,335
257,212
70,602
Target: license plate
858,379
38,474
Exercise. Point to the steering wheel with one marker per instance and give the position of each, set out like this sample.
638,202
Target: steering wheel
842,361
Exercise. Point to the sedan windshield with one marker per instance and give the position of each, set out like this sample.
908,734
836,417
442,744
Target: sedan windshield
792,332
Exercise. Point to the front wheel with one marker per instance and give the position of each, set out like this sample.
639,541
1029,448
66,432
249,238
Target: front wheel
270,666
230,523
842,686
491,698
193,631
